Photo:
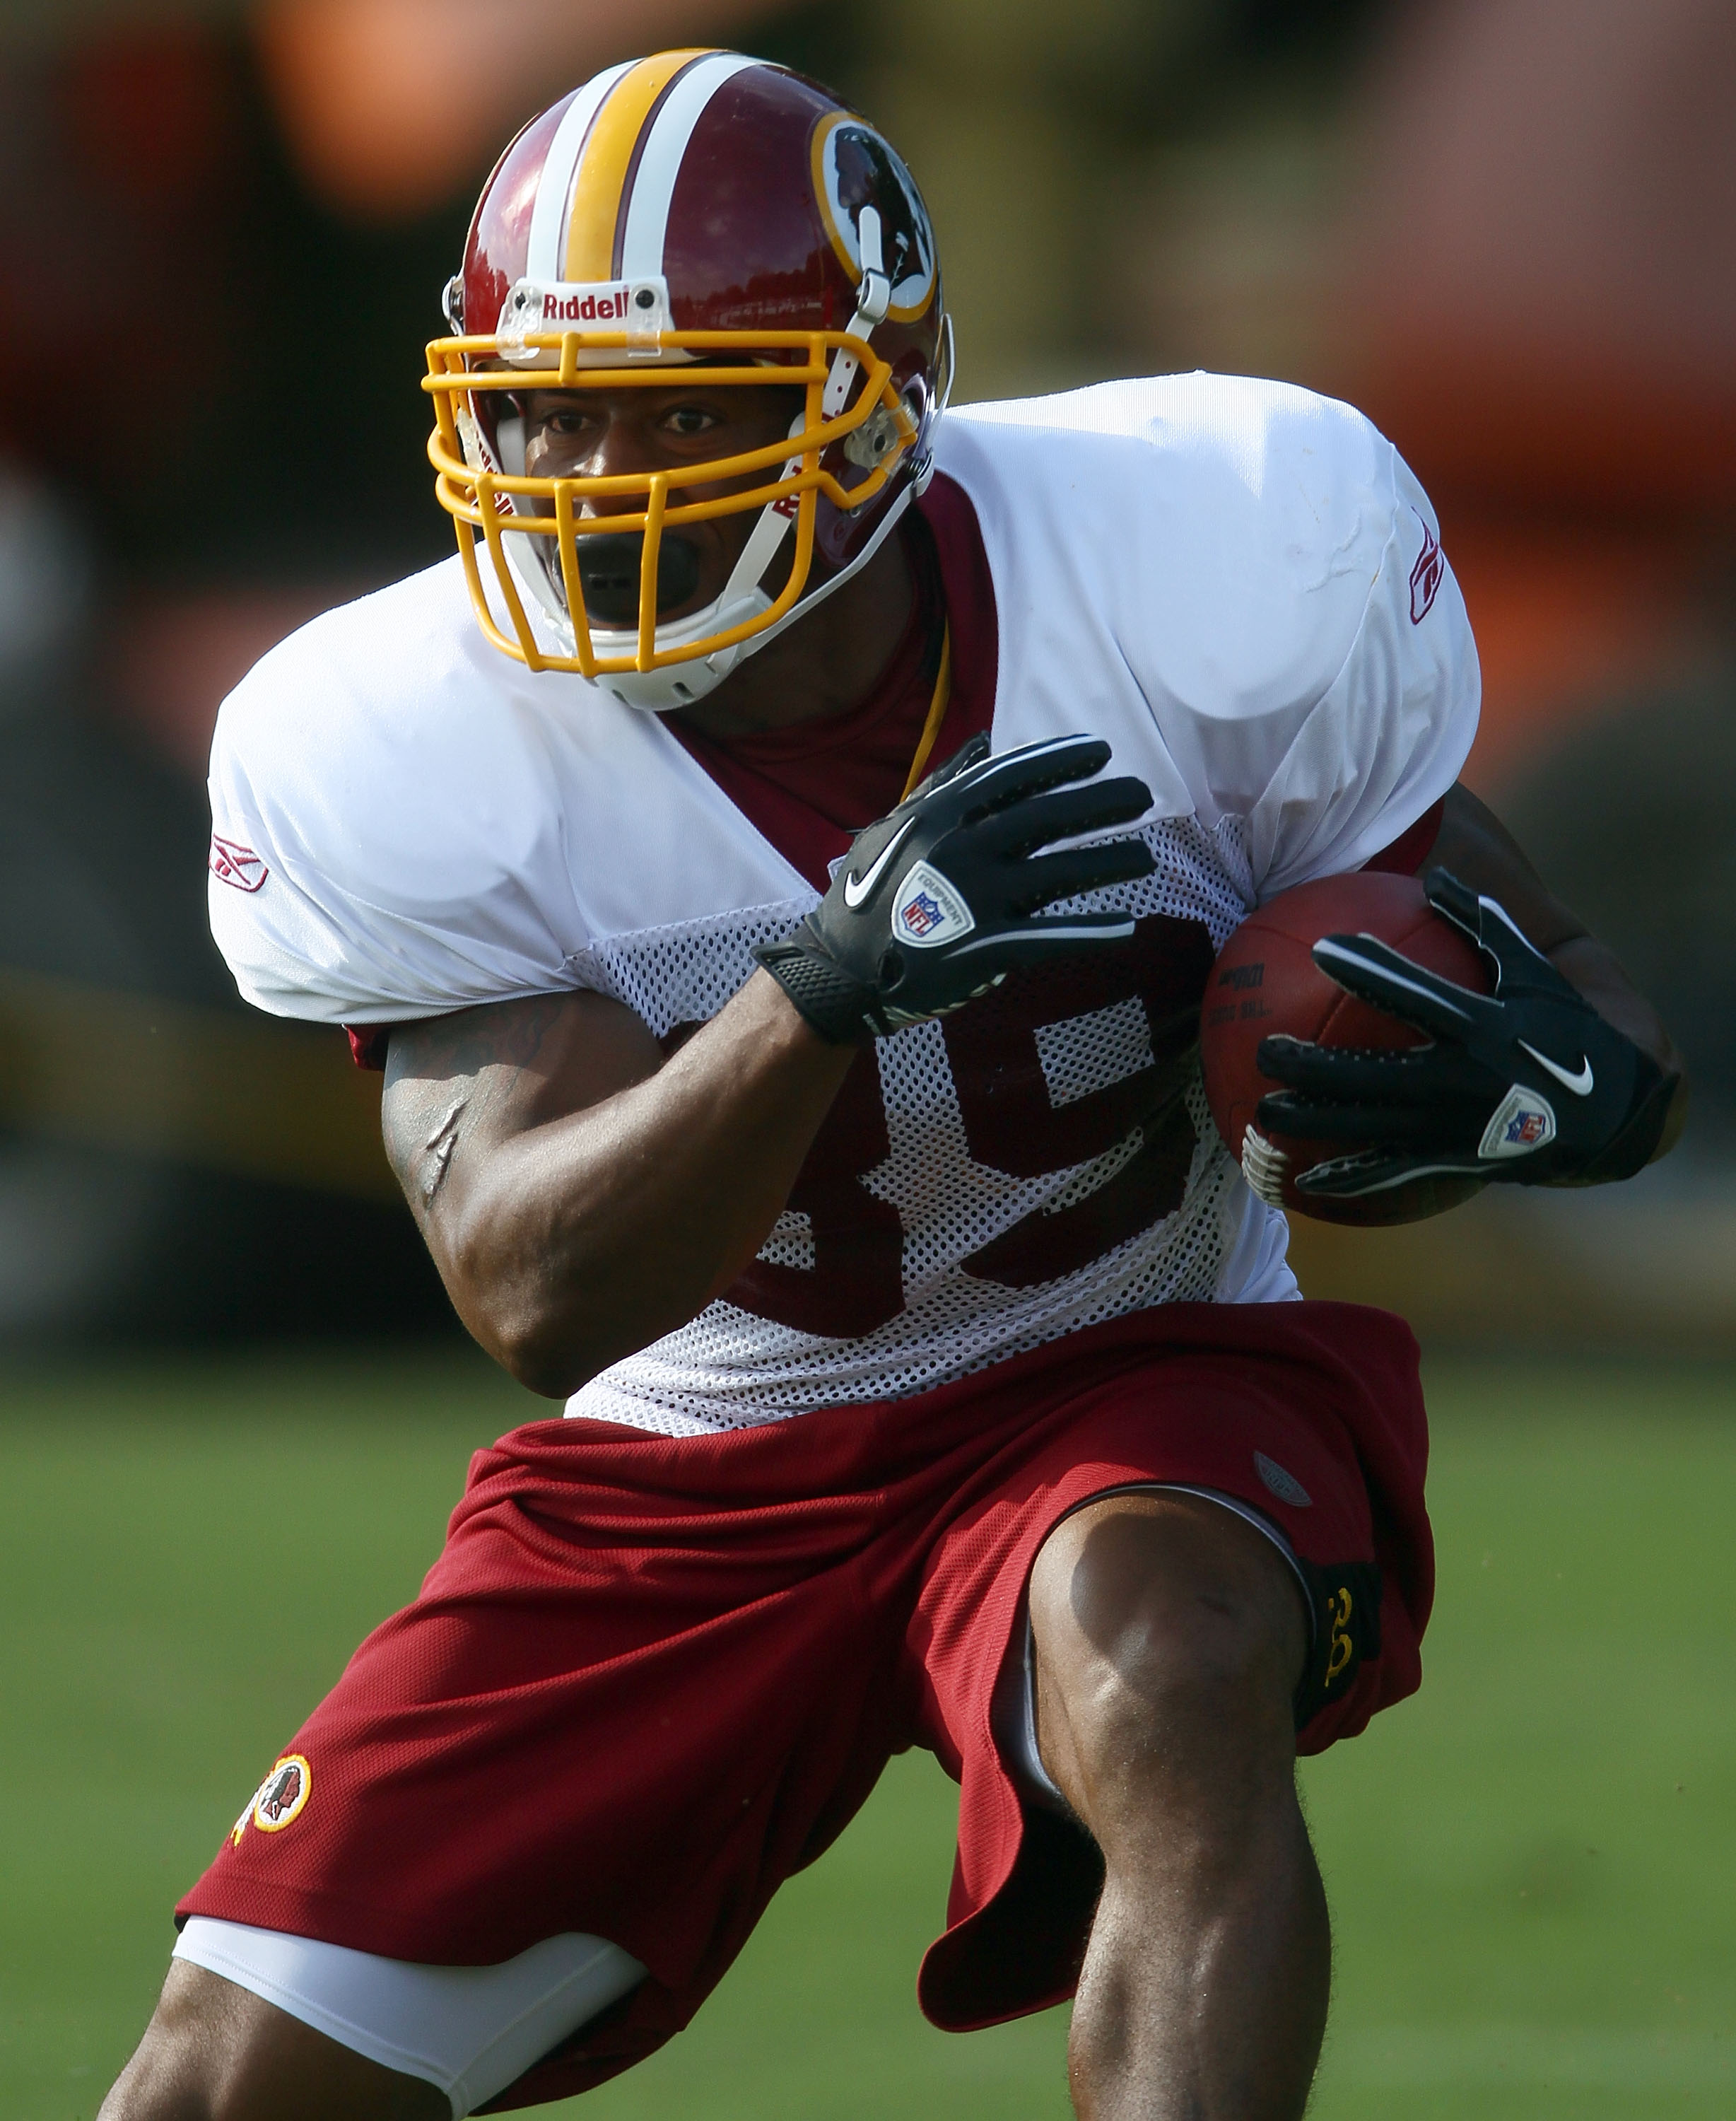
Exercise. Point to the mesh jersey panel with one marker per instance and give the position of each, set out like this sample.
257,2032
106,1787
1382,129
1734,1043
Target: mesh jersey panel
1041,1160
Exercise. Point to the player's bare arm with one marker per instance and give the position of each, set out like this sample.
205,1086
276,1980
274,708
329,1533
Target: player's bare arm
581,1200
581,1195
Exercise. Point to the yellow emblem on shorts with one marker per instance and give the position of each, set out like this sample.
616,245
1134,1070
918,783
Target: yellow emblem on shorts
279,1799
1339,1611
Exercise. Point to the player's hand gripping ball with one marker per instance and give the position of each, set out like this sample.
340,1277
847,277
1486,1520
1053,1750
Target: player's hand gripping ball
1376,1050
942,898
1267,983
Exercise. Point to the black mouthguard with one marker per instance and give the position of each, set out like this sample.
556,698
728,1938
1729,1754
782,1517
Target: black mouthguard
608,573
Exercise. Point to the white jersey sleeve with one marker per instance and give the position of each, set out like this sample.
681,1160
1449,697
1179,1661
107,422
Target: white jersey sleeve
406,823
1387,737
1241,584
378,890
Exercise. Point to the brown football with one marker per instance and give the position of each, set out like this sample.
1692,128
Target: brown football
1265,981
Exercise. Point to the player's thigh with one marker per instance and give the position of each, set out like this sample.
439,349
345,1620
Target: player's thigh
1168,1637
216,2051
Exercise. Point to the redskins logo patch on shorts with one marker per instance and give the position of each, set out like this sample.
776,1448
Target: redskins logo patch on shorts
279,1800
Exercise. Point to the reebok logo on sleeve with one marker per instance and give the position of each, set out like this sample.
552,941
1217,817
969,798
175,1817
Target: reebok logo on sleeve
236,865
1427,575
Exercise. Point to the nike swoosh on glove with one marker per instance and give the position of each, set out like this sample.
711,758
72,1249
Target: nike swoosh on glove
938,901
1528,1086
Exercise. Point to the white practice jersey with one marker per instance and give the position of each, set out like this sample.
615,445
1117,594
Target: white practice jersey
1238,584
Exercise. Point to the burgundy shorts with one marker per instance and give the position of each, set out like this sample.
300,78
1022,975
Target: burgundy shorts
650,1677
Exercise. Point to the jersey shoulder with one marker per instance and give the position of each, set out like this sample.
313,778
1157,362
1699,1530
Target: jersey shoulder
388,779
387,749
1227,533
427,825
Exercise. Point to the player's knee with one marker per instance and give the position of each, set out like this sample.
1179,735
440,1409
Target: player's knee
1170,1644
1180,1685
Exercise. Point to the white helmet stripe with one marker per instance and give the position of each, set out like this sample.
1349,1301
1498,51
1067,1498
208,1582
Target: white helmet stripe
659,166
545,254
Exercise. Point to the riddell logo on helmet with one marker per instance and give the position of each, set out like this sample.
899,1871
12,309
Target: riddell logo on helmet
638,307
586,309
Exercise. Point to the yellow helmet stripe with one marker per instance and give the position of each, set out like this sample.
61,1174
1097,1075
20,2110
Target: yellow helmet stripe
608,157
546,249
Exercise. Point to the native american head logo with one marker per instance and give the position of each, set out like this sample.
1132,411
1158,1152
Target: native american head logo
283,1795
854,167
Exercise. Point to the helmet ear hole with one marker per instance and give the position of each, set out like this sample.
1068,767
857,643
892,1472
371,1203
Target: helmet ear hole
873,441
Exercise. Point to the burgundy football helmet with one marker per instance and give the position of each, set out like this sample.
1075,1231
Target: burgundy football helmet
695,206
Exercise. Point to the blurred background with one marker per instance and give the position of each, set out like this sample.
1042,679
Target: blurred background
1505,227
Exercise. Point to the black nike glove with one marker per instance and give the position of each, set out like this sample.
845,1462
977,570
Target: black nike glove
938,901
1529,1086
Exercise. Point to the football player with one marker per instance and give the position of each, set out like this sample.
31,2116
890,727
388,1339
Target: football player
777,863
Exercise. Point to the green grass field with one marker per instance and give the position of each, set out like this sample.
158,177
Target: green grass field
1533,1865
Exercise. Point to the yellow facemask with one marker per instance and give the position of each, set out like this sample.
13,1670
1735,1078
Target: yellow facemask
865,421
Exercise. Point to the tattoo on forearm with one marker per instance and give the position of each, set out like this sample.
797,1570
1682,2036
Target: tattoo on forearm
437,1153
